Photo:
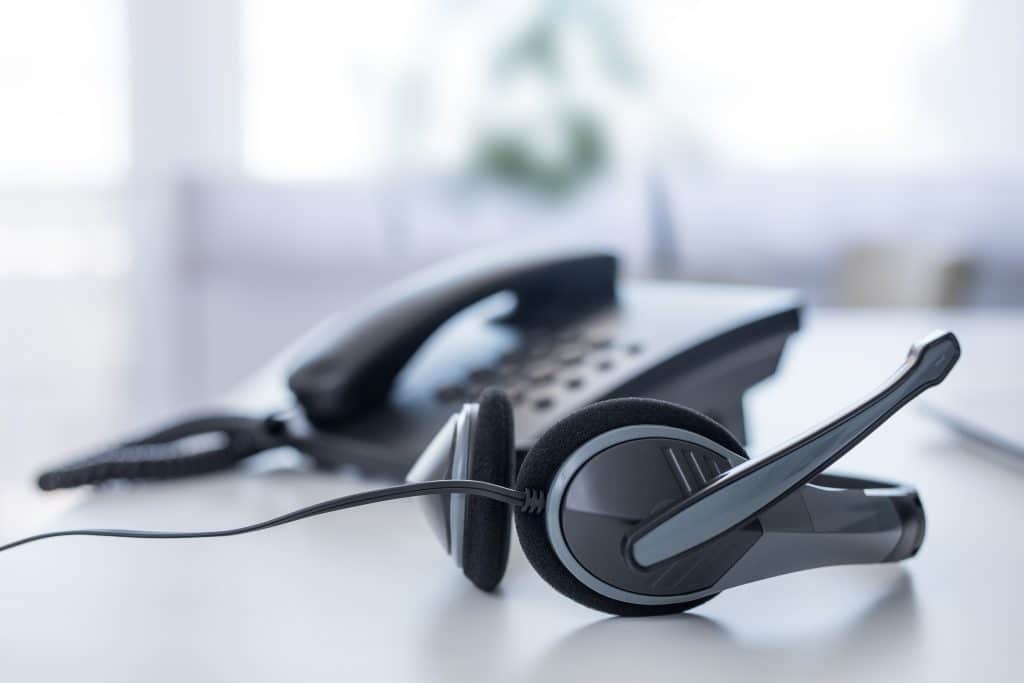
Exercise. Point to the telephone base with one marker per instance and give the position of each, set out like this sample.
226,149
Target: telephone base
699,345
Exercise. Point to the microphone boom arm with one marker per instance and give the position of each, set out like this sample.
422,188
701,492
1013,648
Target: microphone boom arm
746,490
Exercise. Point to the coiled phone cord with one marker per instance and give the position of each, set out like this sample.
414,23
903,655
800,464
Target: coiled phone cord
195,446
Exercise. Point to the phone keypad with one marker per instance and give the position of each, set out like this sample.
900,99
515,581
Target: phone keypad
549,361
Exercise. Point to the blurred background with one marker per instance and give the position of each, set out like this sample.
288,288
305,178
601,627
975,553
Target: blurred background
187,186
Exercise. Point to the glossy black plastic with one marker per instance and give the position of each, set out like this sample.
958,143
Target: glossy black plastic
743,493
832,520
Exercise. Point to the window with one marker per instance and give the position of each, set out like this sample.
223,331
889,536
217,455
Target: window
63,137
332,88
807,83
322,83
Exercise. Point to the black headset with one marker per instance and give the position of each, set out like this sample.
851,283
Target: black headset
636,506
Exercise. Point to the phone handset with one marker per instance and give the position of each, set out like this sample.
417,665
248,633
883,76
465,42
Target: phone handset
354,372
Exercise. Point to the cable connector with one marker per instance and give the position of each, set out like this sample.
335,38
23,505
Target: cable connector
533,503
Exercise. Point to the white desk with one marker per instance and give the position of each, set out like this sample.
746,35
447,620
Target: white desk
368,594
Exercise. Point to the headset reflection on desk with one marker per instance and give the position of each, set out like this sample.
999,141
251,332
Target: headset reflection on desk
639,507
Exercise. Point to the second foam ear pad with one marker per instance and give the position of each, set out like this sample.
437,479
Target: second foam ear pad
488,525
557,444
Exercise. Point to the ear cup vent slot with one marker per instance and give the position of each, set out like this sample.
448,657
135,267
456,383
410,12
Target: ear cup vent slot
533,504
693,470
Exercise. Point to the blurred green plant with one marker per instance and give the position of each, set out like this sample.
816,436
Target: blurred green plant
562,138
511,157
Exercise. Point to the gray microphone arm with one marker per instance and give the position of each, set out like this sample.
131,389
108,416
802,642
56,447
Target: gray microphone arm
746,490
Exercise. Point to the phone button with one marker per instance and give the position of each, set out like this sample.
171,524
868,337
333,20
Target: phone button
483,374
574,382
513,357
541,375
507,369
572,356
543,403
474,390
541,350
569,335
450,393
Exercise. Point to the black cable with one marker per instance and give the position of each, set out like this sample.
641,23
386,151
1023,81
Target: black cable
501,494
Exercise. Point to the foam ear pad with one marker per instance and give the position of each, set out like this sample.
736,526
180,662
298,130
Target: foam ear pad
557,444
488,525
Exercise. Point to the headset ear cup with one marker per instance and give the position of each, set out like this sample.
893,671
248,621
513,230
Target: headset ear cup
556,445
488,525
